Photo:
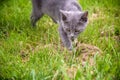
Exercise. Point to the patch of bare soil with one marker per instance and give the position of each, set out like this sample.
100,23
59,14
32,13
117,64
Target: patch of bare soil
86,53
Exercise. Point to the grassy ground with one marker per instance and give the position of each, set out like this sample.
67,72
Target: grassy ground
28,53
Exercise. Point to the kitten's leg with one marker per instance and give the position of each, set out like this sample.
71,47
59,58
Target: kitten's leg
35,17
36,12
54,20
65,39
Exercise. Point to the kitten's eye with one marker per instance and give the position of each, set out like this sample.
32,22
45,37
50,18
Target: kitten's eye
83,19
68,29
77,31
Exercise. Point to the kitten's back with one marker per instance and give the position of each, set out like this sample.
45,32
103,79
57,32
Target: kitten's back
52,7
62,4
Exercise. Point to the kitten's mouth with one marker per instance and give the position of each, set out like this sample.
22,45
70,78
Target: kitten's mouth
72,39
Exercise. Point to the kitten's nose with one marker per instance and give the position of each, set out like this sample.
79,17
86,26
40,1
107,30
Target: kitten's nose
72,38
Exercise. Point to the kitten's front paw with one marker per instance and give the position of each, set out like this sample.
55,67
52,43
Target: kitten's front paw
70,48
33,21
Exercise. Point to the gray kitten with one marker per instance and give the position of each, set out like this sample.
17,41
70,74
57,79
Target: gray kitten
67,13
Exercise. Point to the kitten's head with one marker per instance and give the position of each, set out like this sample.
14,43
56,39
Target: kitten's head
73,23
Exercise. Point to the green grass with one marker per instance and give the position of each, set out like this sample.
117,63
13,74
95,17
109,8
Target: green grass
28,53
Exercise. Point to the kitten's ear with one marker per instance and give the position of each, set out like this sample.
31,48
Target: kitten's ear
63,15
84,16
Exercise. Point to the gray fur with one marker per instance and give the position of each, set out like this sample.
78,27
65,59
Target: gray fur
67,13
